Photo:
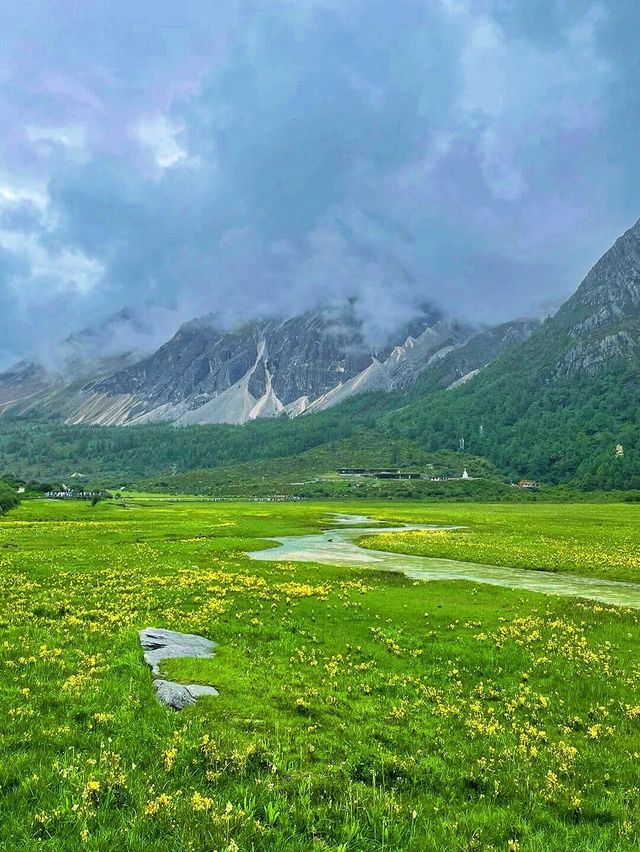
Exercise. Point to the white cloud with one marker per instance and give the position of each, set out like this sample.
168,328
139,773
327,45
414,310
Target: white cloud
72,137
162,139
56,270
14,193
274,154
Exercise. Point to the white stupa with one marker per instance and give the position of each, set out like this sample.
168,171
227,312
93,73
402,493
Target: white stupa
465,474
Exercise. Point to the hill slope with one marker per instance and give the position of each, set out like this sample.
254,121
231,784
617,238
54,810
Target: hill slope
556,406
314,473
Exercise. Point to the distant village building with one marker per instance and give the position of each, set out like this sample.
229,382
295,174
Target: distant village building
379,473
396,473
527,483
388,474
70,494
271,498
464,475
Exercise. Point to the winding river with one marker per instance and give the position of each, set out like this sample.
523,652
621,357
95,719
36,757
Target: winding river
337,546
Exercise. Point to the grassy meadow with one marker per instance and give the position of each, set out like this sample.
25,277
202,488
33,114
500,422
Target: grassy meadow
357,710
601,540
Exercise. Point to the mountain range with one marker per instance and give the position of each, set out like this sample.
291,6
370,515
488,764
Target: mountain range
259,369
556,401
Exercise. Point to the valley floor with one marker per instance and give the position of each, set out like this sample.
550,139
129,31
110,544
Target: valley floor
592,540
357,710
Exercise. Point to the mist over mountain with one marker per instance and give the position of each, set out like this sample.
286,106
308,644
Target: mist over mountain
207,373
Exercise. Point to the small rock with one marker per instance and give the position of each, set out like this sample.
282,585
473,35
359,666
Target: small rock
179,695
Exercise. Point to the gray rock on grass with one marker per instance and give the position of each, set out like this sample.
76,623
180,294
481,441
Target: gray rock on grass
178,695
159,644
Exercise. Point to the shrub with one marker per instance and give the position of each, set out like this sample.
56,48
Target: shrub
8,498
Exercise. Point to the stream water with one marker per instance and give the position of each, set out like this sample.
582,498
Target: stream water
337,546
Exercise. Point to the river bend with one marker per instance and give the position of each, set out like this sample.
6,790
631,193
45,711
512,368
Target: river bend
337,546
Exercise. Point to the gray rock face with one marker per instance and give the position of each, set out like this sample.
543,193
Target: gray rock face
399,367
159,644
613,284
306,363
265,369
465,361
262,368
86,356
304,355
592,356
601,321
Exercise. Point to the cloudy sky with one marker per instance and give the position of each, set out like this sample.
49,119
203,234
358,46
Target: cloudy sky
251,156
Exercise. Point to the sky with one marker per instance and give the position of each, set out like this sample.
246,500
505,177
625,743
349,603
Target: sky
259,157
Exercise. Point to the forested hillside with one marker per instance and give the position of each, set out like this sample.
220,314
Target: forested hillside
564,405
314,473
565,431
34,448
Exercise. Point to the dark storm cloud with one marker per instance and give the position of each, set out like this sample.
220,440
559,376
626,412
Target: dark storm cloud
252,157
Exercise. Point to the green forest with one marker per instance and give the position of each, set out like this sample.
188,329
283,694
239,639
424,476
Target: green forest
565,431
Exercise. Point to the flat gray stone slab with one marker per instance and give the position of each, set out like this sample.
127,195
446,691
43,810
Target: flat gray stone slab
180,695
159,644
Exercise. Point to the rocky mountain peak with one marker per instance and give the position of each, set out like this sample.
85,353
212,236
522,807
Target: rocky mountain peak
612,287
600,323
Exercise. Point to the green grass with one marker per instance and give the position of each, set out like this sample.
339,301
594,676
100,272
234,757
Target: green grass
356,711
